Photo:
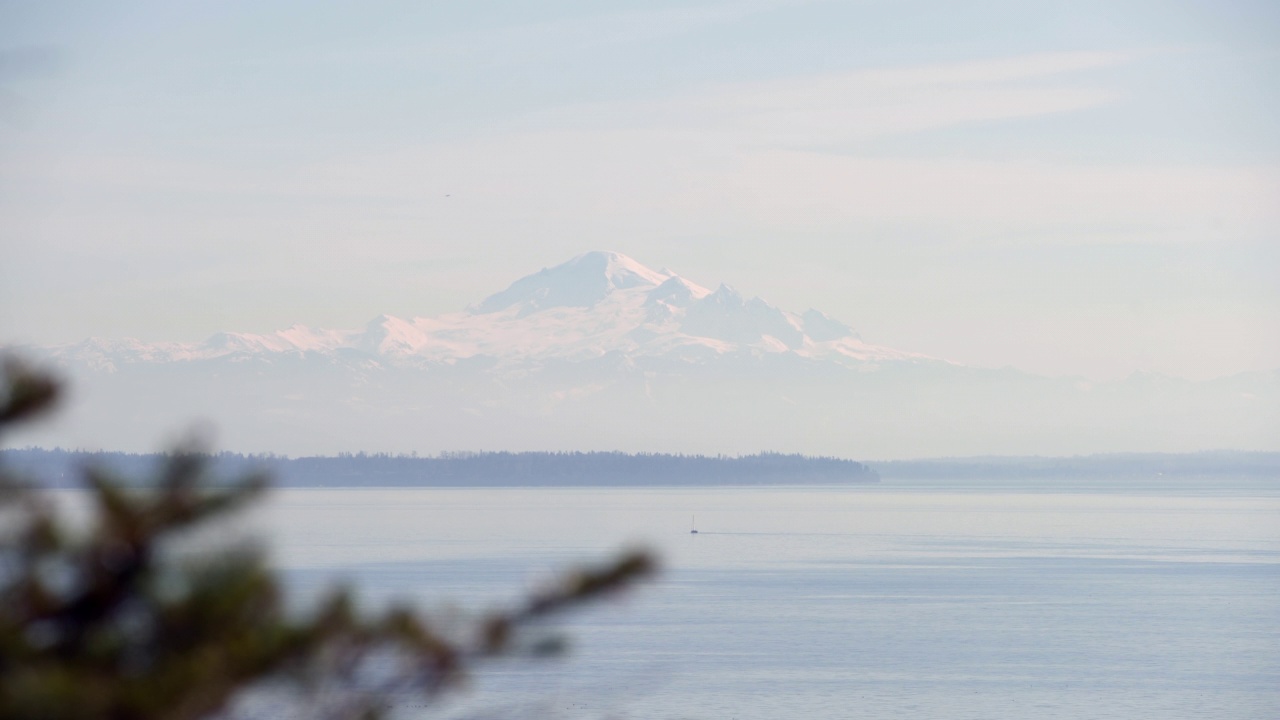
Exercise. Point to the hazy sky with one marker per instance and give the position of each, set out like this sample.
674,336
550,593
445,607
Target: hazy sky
1083,187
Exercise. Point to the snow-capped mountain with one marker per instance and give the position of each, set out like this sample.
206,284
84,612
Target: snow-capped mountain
604,353
596,304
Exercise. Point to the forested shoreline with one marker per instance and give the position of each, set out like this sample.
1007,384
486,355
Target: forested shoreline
63,468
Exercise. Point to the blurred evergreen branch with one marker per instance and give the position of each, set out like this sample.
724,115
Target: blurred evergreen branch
107,623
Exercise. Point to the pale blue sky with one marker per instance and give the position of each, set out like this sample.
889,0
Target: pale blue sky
1067,187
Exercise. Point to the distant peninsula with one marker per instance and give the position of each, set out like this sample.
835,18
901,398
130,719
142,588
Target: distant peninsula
1213,463
62,468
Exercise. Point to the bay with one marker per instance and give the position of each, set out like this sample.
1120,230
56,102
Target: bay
1121,599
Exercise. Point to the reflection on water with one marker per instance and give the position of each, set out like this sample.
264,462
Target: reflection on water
895,601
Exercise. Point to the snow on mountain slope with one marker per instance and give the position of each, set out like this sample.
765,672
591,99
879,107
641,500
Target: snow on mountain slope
595,304
582,282
298,338
602,352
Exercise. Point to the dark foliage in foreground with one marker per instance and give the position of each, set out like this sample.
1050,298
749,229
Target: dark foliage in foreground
490,469
120,620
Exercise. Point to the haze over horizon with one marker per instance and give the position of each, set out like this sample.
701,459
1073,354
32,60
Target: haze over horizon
1080,189
604,353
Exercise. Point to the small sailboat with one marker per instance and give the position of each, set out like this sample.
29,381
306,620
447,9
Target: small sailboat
693,529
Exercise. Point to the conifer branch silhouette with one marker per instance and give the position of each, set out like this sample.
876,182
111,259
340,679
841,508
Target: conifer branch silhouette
107,622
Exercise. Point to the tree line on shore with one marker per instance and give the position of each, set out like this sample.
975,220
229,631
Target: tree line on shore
60,467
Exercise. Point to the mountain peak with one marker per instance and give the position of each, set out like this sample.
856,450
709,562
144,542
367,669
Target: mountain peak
622,270
581,282
677,291
822,327
390,335
594,305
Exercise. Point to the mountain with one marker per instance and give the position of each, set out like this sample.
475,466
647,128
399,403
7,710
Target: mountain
604,353
594,305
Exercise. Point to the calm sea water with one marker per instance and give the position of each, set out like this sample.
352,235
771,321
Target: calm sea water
903,600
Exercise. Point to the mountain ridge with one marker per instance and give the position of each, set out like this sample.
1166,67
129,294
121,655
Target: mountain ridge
592,305
603,353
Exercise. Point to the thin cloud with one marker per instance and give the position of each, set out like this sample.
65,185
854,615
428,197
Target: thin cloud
750,159
864,103
543,38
